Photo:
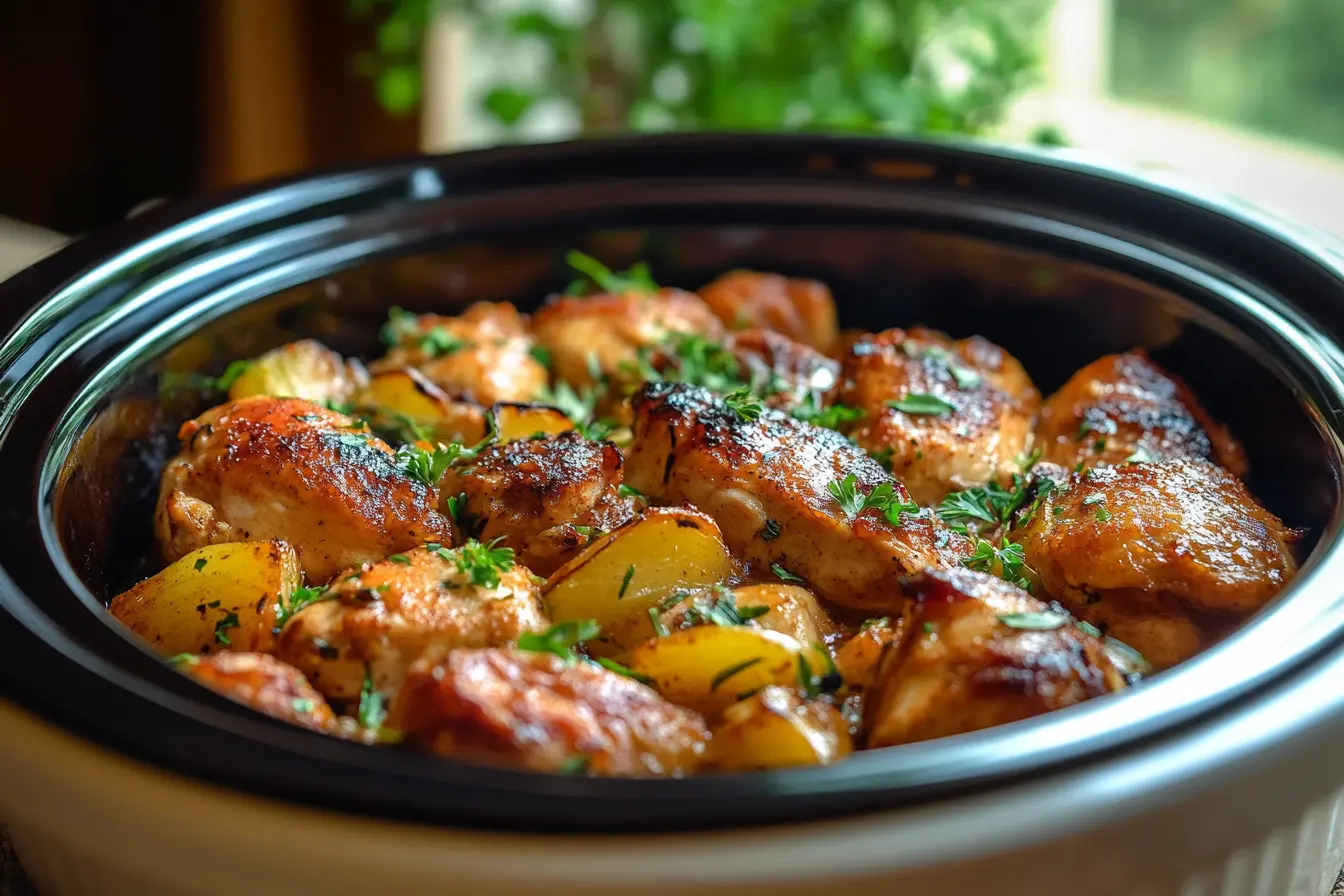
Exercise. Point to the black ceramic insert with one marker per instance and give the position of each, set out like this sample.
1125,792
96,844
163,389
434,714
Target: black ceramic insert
1058,262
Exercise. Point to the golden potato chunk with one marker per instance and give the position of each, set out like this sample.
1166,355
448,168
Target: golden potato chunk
778,728
305,369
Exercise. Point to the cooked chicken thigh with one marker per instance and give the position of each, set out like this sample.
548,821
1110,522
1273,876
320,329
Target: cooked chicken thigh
1137,548
790,372
537,711
975,652
945,415
604,333
523,491
264,683
379,619
262,468
483,355
767,482
1125,406
802,310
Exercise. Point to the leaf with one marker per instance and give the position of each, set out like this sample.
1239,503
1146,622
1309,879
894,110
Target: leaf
561,638
783,573
1037,622
508,105
922,404
729,672
372,710
613,666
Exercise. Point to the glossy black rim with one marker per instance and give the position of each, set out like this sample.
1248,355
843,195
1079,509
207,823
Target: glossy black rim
163,273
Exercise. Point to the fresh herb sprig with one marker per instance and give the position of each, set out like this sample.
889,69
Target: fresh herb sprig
561,638
882,497
482,564
1008,561
598,278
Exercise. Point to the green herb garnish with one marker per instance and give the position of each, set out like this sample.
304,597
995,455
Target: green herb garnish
771,530
199,564
783,573
729,672
922,404
229,621
882,497
561,638
744,404
625,582
482,564
837,416
1037,622
1008,562
597,277
372,710
616,667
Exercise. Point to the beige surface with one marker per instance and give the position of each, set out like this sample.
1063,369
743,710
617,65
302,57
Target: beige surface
22,244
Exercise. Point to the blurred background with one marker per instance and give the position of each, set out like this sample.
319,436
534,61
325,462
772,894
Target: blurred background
107,103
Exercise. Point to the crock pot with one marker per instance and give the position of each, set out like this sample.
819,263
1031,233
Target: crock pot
118,775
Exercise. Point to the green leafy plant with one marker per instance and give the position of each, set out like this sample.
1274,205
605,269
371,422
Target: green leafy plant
875,66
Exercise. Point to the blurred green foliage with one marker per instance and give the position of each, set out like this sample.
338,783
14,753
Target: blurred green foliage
650,65
1276,66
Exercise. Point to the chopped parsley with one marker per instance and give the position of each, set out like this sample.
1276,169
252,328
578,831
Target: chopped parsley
372,710
722,610
1094,499
428,467
401,327
1008,562
199,564
837,416
399,558
965,377
813,685
1102,514
1142,455
229,621
456,504
561,638
353,439
877,622
1038,622
783,573
613,666
922,404
482,564
183,659
598,278
439,342
625,582
303,704
1098,423
771,530
990,503
928,628
882,497
577,764
744,404
541,354
656,621
626,491
732,670
299,598
1089,629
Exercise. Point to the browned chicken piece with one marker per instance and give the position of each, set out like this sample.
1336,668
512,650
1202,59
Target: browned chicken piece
1125,406
539,490
1141,549
605,333
767,481
944,415
790,372
264,683
262,468
802,310
539,712
483,355
381,618
976,652
857,658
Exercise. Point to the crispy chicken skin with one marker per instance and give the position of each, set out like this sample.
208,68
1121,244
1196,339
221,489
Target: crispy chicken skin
690,446
485,357
1135,548
962,666
261,468
802,310
612,328
979,440
794,371
522,491
386,615
1125,405
264,683
536,711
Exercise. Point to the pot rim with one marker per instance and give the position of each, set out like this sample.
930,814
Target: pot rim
1308,615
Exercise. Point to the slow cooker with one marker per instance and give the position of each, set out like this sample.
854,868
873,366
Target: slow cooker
120,776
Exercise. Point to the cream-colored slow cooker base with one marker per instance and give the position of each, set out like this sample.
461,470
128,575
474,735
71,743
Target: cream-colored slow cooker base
88,822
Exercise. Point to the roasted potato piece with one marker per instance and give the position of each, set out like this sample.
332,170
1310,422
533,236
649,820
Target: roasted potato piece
1126,406
611,329
628,572
223,596
789,610
777,728
481,356
946,415
379,619
405,394
802,310
537,711
708,667
264,683
305,369
976,652
524,421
